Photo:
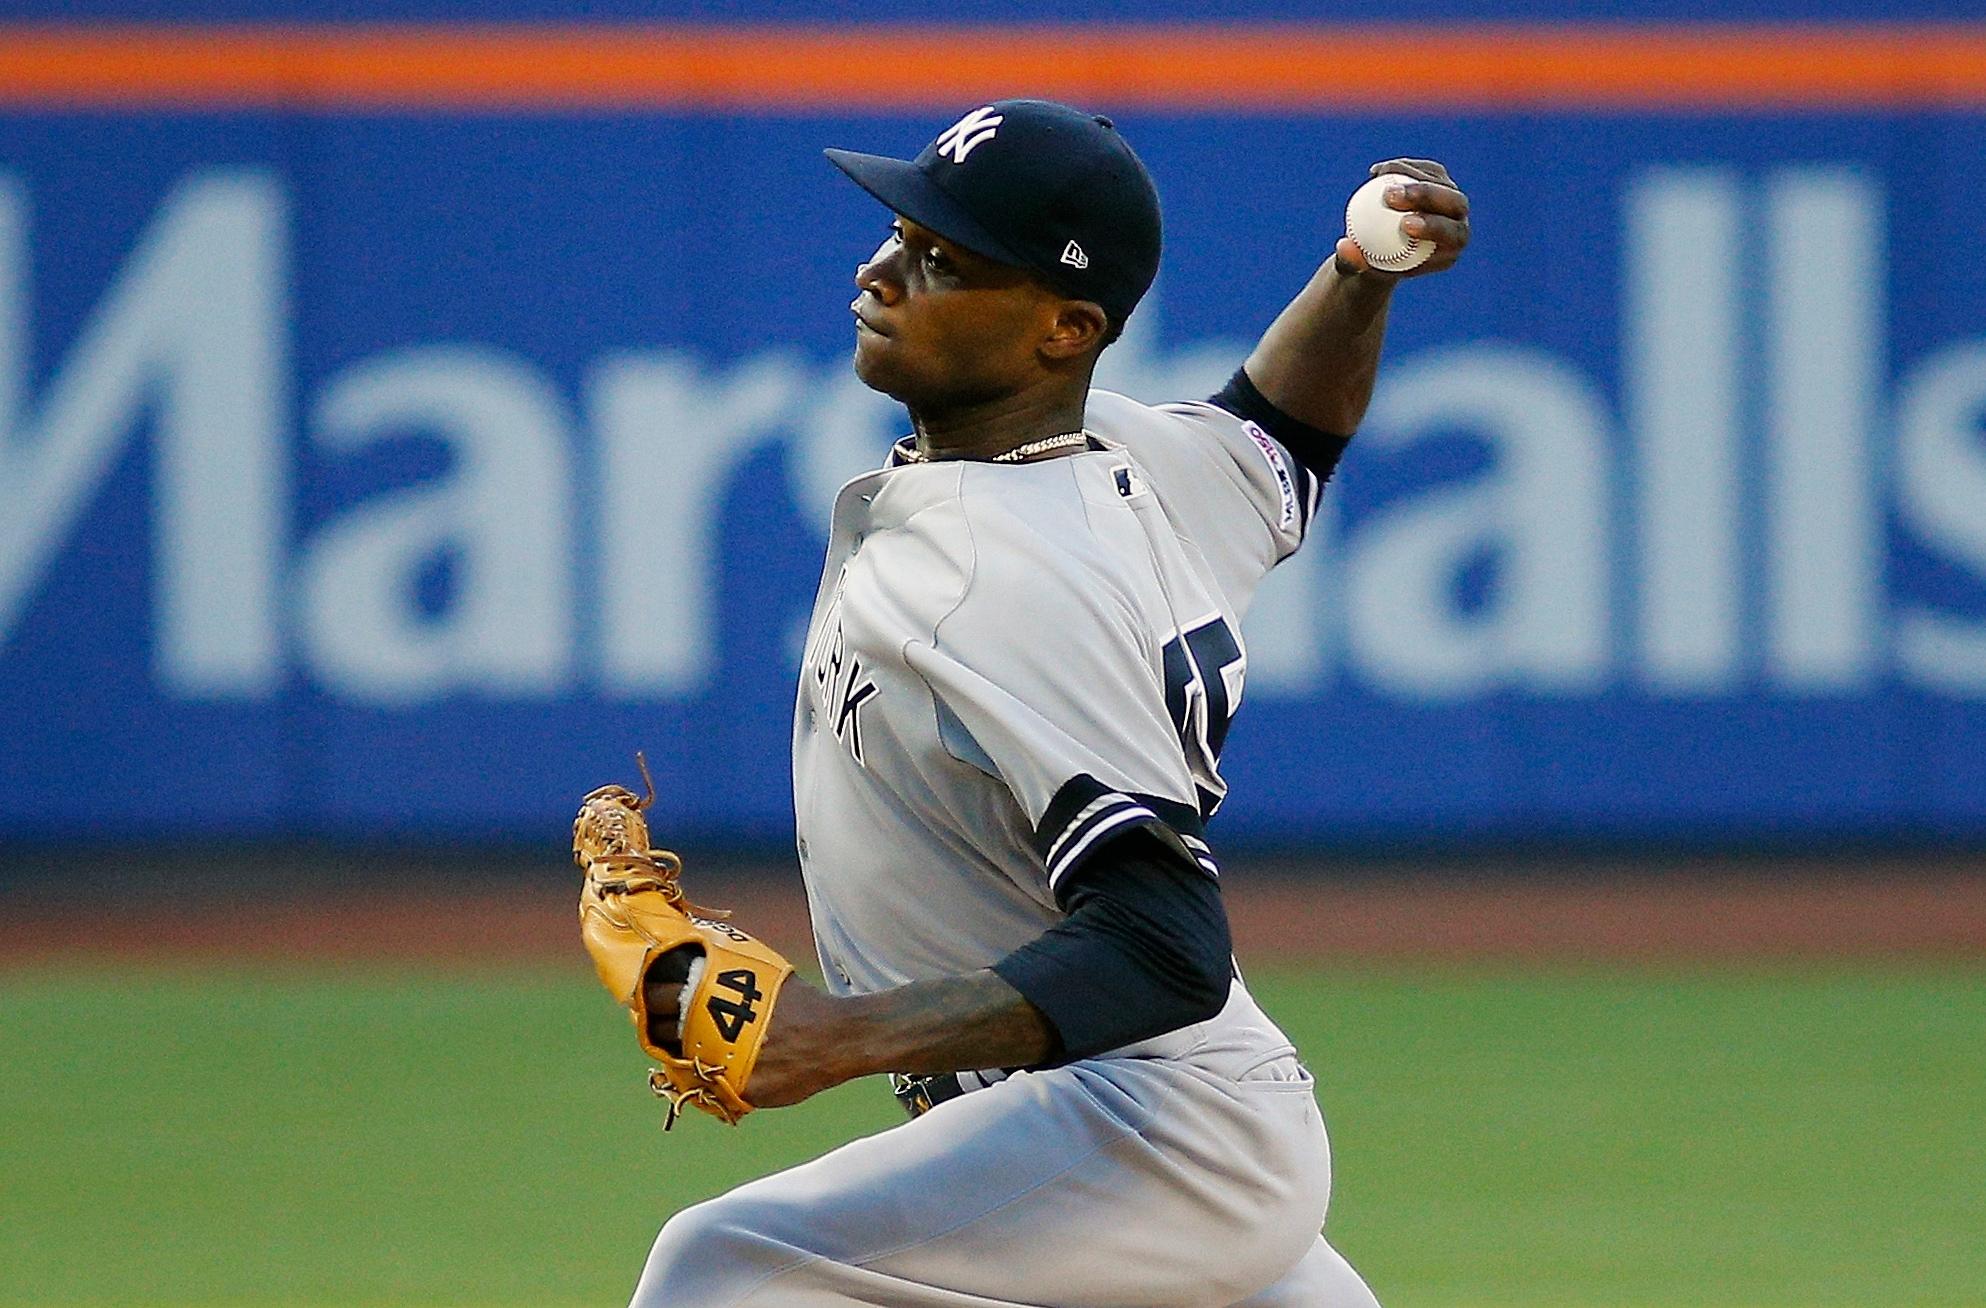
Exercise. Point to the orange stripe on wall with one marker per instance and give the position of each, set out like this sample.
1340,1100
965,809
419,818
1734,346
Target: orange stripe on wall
745,69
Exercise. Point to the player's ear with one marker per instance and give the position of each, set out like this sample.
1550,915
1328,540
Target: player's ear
1077,329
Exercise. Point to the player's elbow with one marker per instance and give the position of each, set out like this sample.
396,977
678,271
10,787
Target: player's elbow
1209,998
1206,973
1183,987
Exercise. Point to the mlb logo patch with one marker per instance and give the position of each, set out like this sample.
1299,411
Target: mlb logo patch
1285,484
1128,481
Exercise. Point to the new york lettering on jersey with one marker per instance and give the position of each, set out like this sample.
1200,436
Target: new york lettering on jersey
839,686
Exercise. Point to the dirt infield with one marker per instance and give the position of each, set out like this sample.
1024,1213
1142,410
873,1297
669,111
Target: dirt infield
1570,912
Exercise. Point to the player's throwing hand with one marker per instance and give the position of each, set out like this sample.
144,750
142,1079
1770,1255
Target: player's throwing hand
1436,211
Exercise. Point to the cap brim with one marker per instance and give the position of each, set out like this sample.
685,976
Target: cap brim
905,188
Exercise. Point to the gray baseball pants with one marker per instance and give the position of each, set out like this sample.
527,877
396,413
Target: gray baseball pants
1109,1183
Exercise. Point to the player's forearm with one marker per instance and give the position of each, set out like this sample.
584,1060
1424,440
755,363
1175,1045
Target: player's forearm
1318,359
971,1021
1145,949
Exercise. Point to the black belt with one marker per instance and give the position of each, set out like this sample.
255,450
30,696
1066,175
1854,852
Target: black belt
920,1094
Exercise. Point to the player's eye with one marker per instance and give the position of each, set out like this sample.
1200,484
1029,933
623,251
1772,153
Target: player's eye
935,260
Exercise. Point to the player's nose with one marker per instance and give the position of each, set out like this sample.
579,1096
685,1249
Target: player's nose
876,275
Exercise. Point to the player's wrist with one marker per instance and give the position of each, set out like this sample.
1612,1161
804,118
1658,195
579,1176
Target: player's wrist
860,1038
812,1044
1366,290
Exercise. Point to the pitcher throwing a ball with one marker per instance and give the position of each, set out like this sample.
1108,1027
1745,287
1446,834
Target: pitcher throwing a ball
1023,659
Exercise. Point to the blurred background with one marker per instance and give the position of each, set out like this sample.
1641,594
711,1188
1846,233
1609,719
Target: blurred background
409,410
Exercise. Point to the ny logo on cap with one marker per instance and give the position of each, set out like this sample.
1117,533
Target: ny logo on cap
959,139
1072,254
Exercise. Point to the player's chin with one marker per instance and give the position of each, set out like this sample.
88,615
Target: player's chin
879,367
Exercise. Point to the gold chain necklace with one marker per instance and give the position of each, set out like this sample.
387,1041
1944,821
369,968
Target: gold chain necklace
911,454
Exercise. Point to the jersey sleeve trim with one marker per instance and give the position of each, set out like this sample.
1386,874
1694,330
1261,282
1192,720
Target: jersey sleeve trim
1314,451
1145,949
1086,814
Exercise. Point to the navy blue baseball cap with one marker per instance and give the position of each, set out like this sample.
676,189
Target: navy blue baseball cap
1037,185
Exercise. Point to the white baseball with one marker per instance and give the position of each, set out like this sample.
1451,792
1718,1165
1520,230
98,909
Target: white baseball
1376,228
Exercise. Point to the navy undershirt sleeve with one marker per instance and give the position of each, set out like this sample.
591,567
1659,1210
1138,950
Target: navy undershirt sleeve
1313,447
1145,949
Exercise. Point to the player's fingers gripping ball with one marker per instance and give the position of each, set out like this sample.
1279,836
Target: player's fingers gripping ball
1375,226
632,912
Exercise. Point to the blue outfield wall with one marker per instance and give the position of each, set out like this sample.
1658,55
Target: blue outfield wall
397,474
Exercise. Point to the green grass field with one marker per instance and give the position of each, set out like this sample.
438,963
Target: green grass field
1674,1139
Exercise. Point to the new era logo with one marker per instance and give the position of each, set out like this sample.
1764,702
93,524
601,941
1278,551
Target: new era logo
1072,254
963,136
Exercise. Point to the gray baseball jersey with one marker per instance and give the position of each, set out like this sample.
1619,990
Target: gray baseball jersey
1007,665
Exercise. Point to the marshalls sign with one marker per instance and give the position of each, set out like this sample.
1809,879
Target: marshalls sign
312,475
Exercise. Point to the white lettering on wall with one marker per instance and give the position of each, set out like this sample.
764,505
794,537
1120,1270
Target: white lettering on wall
1679,371
1824,365
193,329
1941,474
502,512
1540,513
1746,473
669,435
843,429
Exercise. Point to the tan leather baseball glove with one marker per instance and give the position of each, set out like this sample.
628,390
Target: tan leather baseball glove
632,912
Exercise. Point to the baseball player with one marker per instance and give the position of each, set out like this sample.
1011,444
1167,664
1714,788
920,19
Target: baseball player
1023,658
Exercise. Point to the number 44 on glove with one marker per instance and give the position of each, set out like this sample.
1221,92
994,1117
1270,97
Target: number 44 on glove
632,915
